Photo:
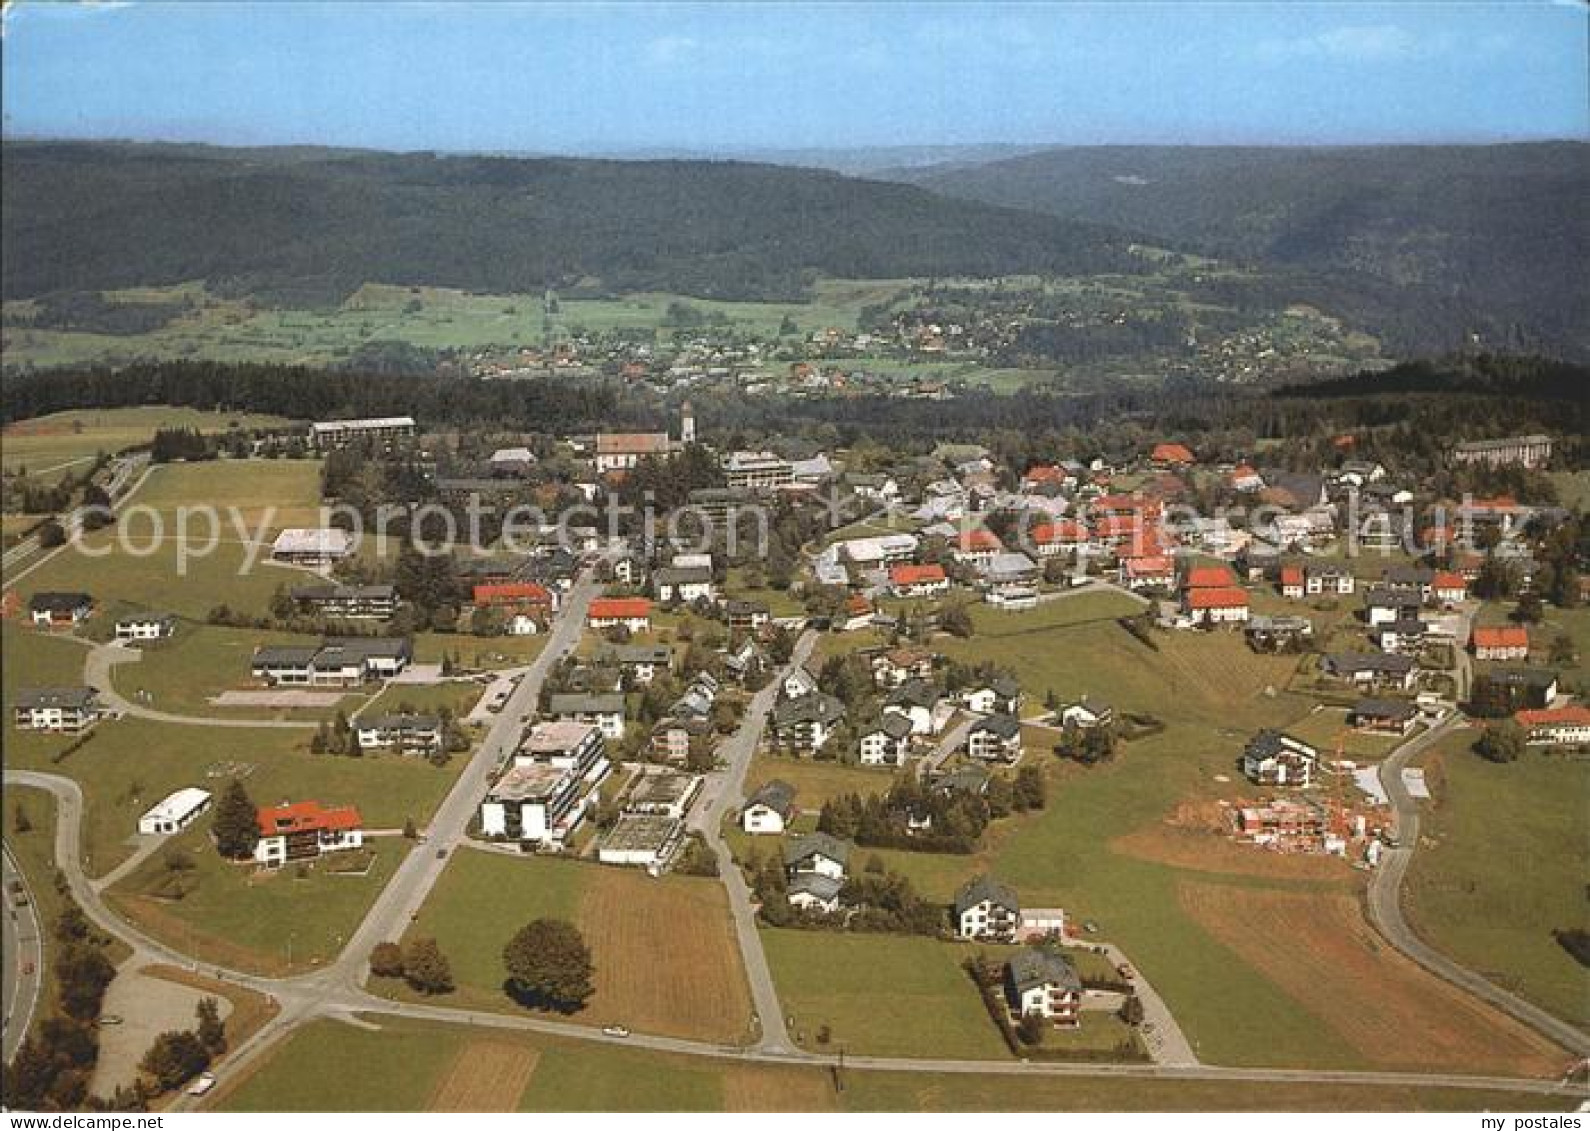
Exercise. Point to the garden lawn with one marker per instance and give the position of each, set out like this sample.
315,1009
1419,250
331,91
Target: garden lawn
279,922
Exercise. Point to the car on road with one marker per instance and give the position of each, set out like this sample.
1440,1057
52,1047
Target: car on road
201,1084
109,1019
615,1030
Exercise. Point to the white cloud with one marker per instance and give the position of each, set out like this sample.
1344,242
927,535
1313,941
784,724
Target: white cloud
667,50
1362,43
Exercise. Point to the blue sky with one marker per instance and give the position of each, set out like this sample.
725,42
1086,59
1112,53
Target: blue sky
613,77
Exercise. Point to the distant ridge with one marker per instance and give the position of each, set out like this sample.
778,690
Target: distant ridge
306,222
1505,229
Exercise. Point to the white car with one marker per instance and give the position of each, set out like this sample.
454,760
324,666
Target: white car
205,1081
615,1030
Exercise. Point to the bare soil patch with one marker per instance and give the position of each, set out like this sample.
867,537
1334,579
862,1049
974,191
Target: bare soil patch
485,1076
1194,836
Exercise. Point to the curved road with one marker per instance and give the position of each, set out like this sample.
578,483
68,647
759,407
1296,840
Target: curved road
1385,903
23,944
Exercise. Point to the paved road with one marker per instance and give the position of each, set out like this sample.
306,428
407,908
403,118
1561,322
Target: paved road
949,742
738,751
1161,1033
23,944
122,470
1385,903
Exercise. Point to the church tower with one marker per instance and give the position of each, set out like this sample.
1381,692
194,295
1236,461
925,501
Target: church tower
687,424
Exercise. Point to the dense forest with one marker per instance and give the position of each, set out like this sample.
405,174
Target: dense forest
1406,416
1494,236
306,228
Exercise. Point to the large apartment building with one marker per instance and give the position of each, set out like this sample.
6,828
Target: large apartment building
327,434
552,782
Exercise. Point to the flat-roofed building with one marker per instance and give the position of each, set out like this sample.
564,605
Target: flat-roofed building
175,813
311,545
326,434
1509,451
642,841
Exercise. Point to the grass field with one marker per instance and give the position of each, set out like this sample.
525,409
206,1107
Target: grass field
635,926
880,995
411,1066
1321,952
486,654
68,441
268,493
184,674
1504,867
173,576
273,923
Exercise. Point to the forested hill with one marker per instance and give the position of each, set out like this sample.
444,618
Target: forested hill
303,223
1504,228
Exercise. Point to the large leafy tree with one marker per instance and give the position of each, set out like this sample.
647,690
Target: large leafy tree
549,965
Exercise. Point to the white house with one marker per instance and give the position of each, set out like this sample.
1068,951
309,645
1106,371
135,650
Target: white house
175,813
886,742
815,891
816,853
988,910
995,739
304,831
1274,758
1043,983
408,732
1000,694
67,710
605,711
147,626
633,613
1087,713
769,810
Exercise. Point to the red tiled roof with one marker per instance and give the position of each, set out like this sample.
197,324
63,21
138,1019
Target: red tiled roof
1502,636
1117,525
306,817
915,574
1217,599
1446,579
1066,530
512,593
979,540
858,605
1291,575
1575,714
1149,567
620,608
1171,453
1209,577
631,443
1045,473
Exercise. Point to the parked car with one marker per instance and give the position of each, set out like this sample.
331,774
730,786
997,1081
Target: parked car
201,1084
615,1030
